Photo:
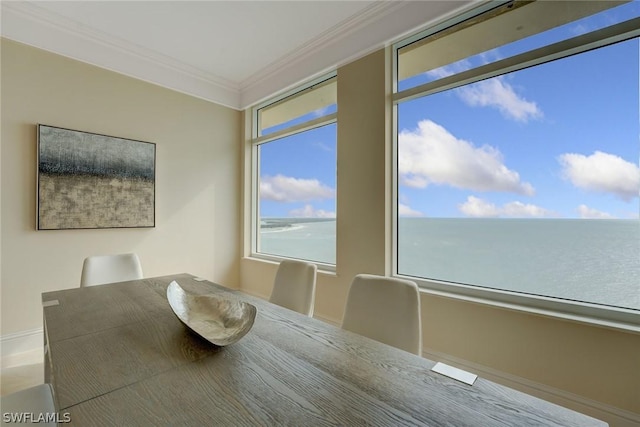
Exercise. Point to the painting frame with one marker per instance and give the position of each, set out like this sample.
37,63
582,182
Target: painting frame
88,180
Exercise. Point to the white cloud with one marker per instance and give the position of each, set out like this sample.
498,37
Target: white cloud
448,70
492,55
309,211
474,206
465,64
477,207
323,146
321,111
519,209
602,172
582,28
430,154
282,188
589,213
498,93
405,210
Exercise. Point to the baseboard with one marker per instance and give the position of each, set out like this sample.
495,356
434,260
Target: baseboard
22,348
616,417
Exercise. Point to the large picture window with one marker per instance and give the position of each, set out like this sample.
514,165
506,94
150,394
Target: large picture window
517,154
295,174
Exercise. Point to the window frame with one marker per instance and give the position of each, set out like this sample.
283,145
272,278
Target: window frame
257,139
590,313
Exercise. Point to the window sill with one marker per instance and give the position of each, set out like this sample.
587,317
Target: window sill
274,259
627,320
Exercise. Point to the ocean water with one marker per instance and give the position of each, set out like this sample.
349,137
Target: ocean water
594,261
304,238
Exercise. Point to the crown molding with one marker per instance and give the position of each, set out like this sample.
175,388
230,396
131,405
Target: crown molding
30,24
375,27
339,33
378,26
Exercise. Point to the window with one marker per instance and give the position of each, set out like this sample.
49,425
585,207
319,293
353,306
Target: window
517,173
294,174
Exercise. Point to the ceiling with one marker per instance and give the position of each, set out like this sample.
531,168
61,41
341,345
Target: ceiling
234,53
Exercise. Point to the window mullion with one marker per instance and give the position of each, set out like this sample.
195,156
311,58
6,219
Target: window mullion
320,121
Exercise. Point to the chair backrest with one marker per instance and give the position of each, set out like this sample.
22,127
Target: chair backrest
385,309
295,286
34,400
101,269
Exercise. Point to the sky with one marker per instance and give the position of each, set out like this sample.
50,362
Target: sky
298,175
559,140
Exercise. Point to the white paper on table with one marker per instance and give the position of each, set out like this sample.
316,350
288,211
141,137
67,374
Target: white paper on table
455,373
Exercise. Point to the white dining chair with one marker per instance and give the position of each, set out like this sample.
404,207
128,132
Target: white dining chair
101,269
385,309
35,401
295,286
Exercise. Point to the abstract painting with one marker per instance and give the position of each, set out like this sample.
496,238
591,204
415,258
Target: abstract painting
87,180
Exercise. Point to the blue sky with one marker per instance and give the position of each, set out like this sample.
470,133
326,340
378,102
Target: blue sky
559,140
298,175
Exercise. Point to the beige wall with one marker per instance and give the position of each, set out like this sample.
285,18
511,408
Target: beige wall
197,178
573,363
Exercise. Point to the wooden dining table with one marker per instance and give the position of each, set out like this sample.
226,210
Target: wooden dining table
117,355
